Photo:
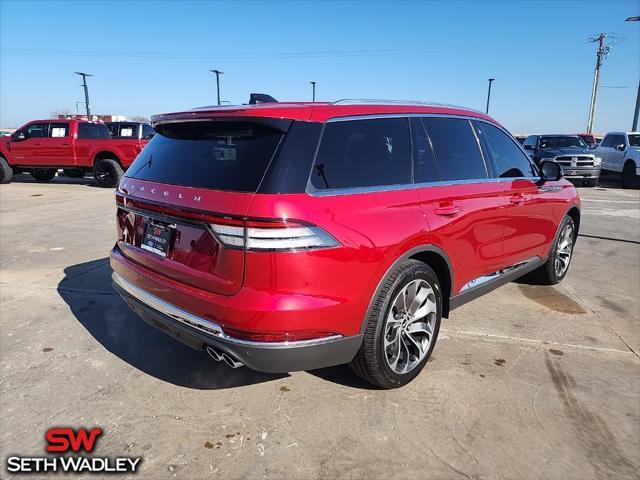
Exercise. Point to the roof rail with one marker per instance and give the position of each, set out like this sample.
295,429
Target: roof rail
368,101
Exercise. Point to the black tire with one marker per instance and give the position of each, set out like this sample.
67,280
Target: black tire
371,362
6,172
107,173
74,173
629,176
547,274
43,174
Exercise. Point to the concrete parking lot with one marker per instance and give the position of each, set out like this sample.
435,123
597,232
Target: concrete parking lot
526,382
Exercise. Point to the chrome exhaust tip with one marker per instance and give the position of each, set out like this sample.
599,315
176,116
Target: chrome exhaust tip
219,356
231,362
213,353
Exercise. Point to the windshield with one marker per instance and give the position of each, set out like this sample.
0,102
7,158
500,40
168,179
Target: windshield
562,142
634,140
218,155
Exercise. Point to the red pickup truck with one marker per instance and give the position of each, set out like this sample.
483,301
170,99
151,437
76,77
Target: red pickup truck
42,147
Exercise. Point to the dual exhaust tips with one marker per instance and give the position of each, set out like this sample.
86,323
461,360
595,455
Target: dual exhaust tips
220,356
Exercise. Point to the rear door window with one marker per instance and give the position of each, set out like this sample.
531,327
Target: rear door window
93,131
456,149
229,156
509,161
363,153
58,130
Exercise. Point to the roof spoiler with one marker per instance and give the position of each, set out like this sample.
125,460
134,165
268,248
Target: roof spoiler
255,98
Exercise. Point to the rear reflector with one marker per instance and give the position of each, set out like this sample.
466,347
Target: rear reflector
276,337
274,236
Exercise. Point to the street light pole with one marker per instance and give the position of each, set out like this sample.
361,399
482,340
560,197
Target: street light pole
218,73
313,85
489,94
634,127
86,91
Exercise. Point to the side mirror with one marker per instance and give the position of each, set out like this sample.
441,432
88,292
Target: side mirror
528,147
620,147
18,136
550,171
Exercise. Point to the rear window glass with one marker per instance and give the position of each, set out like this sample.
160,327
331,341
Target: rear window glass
363,153
217,155
456,149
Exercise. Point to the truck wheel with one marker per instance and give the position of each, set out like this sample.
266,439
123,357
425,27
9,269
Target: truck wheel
6,172
629,176
73,173
402,327
107,173
43,174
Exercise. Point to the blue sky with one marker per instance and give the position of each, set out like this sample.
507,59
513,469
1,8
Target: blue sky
151,57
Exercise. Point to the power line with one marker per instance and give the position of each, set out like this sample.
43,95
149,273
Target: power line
239,56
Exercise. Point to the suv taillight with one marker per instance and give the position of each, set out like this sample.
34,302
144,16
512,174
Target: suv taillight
279,235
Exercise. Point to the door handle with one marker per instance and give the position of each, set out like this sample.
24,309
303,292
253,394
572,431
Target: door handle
37,144
517,199
448,210
66,144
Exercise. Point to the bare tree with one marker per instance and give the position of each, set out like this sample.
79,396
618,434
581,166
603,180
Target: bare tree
62,111
139,118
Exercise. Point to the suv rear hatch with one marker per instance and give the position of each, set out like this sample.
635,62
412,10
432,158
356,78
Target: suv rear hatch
194,177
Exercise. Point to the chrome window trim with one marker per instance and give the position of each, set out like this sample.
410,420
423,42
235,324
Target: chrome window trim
203,325
315,192
411,186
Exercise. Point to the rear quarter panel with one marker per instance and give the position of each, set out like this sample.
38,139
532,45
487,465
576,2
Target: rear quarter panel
374,230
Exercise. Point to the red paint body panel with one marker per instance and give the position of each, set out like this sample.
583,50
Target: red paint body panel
69,151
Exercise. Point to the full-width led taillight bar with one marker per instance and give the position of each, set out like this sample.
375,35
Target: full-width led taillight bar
273,236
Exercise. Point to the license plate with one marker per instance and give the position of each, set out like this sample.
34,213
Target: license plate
573,172
157,238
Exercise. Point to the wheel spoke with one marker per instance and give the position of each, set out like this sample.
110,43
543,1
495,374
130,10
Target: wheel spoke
421,296
417,344
428,307
419,327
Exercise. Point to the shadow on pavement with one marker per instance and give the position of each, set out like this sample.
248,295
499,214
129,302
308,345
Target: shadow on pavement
60,178
87,290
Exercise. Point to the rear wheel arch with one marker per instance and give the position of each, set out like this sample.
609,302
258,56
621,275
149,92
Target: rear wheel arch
106,155
430,255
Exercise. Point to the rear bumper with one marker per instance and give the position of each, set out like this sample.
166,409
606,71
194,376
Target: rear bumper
578,173
198,333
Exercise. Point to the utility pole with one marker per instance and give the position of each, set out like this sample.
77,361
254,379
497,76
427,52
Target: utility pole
218,73
634,127
313,85
86,92
489,95
601,54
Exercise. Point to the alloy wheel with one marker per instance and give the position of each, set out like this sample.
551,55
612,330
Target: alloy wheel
564,250
409,326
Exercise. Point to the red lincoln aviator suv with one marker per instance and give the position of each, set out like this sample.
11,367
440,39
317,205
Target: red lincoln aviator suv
293,236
